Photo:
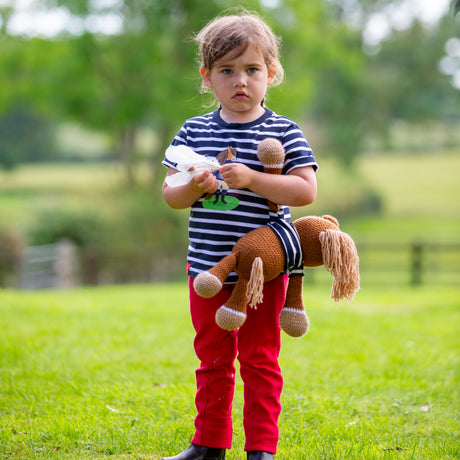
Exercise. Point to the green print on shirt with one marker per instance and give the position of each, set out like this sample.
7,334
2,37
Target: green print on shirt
221,202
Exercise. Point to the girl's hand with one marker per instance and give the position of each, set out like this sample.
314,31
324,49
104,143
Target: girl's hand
237,175
297,188
204,182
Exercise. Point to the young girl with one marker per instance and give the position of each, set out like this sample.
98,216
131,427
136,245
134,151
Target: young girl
239,56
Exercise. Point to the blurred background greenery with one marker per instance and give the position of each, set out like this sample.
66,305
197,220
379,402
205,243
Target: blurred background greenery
93,91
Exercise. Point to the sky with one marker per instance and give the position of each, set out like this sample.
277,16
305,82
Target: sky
30,20
400,17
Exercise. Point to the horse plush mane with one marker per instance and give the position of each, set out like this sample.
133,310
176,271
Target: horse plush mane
260,256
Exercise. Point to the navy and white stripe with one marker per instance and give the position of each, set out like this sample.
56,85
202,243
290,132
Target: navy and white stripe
290,240
213,233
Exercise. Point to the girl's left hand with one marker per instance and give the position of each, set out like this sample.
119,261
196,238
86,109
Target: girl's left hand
237,175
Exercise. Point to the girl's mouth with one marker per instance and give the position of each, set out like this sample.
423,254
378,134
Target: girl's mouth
240,96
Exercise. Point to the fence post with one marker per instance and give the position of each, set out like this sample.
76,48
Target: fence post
66,264
416,263
49,266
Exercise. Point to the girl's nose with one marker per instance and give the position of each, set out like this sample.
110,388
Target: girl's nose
240,80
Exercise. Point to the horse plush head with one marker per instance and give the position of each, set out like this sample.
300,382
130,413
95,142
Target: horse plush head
260,256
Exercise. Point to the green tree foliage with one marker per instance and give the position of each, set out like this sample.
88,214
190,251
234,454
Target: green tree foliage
324,64
404,79
408,66
456,7
146,75
25,137
29,99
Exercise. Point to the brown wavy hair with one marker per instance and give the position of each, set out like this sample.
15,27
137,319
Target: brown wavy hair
234,34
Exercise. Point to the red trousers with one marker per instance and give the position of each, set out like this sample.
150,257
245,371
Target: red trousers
257,344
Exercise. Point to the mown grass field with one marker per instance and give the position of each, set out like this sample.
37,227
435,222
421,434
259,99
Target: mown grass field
109,373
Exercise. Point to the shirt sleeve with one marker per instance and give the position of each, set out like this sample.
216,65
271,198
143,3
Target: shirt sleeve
179,139
298,152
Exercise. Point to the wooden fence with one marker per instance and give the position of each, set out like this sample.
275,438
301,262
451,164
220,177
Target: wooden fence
413,263
381,263
49,266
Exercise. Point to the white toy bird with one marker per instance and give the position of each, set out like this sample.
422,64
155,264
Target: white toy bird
186,158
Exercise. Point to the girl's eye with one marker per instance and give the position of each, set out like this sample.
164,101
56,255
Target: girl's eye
226,71
252,70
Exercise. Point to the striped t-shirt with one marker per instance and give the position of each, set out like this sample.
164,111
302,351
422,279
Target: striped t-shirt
216,224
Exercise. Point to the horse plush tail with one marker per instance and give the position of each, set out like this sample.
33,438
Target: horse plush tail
254,291
341,260
232,315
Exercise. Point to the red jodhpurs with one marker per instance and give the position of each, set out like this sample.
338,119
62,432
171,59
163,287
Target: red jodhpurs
257,344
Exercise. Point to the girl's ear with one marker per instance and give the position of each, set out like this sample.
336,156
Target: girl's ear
206,75
272,70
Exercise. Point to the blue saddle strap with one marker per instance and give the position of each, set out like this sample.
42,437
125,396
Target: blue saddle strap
290,240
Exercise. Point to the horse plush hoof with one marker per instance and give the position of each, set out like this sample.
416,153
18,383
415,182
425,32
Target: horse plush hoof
294,322
207,285
229,319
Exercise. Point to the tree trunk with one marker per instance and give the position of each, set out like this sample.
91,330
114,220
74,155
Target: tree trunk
158,171
127,154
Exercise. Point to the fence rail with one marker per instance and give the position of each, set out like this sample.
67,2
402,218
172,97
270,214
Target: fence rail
426,262
412,263
381,263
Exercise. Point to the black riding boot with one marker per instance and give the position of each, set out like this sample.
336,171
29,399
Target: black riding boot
194,452
260,455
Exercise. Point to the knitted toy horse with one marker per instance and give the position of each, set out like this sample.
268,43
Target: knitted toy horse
259,257
263,254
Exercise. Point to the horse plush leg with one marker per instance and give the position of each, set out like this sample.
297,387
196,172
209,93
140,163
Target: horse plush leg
232,315
209,283
293,318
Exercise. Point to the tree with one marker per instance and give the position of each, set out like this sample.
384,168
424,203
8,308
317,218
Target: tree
26,132
146,74
404,78
356,94
143,75
25,137
324,76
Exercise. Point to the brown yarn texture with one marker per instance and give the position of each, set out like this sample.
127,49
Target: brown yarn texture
341,259
271,153
294,323
259,257
228,320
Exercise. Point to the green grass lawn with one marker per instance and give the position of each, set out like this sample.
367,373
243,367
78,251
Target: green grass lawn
31,187
93,373
100,372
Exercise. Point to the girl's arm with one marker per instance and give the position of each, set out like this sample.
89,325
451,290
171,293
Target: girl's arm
298,188
184,196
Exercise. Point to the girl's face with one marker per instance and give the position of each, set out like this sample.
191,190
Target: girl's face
239,84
